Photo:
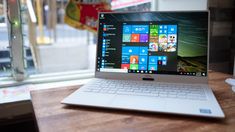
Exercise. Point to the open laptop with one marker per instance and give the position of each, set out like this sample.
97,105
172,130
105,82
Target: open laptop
153,62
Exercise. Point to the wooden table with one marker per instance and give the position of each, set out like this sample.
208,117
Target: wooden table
51,116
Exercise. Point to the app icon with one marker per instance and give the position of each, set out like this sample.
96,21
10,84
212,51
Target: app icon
143,51
143,29
125,66
125,59
130,50
143,37
164,62
153,47
172,38
142,59
172,29
127,29
153,59
134,59
162,38
135,37
153,29
126,37
171,47
159,57
159,62
162,47
152,67
163,57
134,66
165,26
142,67
153,39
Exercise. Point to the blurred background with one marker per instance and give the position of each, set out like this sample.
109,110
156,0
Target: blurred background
51,45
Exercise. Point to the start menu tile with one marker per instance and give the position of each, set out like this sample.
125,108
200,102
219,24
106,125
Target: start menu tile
149,46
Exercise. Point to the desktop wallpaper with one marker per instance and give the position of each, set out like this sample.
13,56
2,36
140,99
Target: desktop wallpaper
192,35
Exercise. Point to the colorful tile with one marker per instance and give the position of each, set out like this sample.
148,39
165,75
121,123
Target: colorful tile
134,59
125,59
143,51
165,31
164,26
162,38
153,39
153,35
172,38
159,57
159,62
153,60
135,37
127,29
171,47
130,50
126,38
172,29
162,47
153,29
164,63
125,66
153,46
144,37
143,60
142,67
134,66
164,58
136,29
152,67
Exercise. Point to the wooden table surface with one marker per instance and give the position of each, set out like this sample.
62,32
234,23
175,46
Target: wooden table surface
51,116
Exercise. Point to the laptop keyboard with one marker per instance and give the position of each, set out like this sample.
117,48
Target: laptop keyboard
155,89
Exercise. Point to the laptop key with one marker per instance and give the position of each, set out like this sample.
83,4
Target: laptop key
164,90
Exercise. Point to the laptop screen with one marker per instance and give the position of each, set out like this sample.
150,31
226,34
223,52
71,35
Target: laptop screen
172,43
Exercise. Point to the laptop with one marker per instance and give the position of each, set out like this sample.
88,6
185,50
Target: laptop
151,62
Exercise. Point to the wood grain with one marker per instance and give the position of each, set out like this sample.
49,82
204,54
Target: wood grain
51,116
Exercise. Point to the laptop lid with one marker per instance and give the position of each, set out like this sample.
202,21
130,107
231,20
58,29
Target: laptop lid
159,46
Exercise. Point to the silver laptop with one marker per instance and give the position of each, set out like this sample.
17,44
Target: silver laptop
153,62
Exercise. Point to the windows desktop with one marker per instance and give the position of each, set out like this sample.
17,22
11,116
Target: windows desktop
172,43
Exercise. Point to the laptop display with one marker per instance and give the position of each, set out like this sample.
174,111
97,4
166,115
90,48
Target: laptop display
174,43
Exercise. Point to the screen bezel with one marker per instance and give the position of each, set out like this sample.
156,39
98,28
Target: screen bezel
155,77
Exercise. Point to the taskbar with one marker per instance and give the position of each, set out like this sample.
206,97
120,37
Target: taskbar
168,72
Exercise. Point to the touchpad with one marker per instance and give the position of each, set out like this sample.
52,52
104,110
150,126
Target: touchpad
138,102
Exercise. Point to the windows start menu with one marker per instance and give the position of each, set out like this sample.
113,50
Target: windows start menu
138,47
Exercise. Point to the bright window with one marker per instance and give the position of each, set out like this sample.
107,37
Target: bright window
49,45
